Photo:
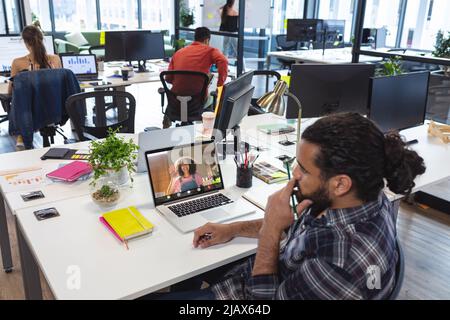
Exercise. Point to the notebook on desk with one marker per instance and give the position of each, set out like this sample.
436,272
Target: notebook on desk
126,224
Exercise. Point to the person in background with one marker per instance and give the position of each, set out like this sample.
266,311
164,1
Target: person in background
36,59
229,23
198,56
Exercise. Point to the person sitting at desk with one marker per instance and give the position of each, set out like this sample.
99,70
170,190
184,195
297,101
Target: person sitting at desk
198,56
187,177
346,225
35,60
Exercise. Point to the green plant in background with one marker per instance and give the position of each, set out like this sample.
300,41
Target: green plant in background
179,44
391,67
186,15
442,47
112,153
106,192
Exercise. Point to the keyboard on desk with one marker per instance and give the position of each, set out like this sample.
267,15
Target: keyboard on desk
201,204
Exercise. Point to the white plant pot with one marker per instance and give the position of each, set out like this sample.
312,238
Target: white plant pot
122,177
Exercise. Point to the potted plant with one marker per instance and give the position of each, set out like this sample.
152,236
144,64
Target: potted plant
107,195
186,15
442,49
113,157
391,67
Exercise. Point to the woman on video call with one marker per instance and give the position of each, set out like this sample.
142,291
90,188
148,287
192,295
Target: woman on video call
187,177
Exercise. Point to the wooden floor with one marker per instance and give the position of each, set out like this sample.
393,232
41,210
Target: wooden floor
424,233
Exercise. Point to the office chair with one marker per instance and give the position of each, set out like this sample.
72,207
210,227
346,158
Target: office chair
284,45
399,273
38,103
93,125
258,75
6,104
186,93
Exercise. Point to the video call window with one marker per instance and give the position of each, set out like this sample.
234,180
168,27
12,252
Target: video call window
183,172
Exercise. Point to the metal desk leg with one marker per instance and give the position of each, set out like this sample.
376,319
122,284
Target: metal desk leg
30,270
5,245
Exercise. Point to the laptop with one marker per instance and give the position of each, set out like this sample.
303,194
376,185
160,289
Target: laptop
188,189
84,66
158,139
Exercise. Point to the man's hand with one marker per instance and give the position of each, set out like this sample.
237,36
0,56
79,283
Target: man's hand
213,234
279,214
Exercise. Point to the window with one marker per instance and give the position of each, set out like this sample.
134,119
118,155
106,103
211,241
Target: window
2,21
383,14
75,15
338,10
157,15
423,20
119,14
12,12
40,11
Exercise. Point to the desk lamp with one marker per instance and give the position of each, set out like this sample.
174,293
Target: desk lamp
274,102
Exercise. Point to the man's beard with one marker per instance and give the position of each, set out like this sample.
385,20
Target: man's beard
320,198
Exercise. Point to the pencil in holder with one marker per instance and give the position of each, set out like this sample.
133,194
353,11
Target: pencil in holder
244,177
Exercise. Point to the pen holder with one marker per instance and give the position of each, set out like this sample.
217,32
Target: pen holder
244,177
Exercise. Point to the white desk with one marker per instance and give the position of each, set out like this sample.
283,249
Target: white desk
115,82
332,56
108,271
78,240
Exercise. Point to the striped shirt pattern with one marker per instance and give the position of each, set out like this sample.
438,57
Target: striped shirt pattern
331,258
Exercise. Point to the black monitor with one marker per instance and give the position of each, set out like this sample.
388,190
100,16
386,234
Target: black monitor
400,102
326,89
144,45
233,106
138,45
304,30
115,46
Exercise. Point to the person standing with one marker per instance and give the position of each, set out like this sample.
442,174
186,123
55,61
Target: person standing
229,23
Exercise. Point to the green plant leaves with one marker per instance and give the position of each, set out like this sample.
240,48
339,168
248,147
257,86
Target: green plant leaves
112,153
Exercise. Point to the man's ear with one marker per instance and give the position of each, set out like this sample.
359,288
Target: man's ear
341,185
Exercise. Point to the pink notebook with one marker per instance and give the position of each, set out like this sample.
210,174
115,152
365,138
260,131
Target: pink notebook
71,172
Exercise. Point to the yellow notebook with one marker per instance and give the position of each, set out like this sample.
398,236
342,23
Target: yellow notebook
128,223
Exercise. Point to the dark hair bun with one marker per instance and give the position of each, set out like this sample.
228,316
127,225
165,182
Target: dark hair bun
402,165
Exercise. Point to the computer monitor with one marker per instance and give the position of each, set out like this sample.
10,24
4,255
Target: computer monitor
400,102
142,46
303,30
138,45
14,47
326,89
233,106
115,46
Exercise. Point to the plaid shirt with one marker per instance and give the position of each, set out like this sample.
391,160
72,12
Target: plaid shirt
330,258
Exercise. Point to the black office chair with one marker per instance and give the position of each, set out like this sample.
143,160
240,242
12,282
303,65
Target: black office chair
258,76
184,90
399,273
284,45
5,100
92,125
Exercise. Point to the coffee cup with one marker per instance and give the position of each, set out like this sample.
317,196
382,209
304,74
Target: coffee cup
208,122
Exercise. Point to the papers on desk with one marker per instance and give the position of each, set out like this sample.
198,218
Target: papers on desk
25,181
260,195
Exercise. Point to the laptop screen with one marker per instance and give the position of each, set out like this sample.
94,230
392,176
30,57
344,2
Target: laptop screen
80,65
182,172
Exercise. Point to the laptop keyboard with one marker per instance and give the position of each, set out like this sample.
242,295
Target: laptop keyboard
198,205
